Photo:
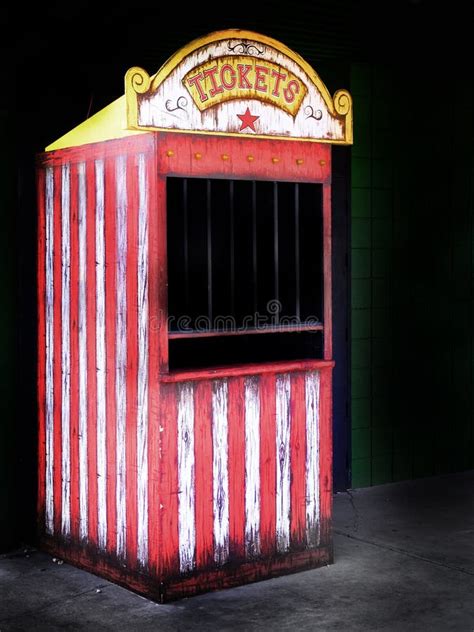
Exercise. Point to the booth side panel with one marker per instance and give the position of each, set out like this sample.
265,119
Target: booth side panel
93,372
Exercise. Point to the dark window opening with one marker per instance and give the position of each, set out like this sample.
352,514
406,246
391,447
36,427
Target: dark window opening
245,271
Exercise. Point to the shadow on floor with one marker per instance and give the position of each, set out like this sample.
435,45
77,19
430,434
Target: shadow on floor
404,561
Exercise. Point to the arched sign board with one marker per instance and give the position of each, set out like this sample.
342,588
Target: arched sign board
238,82
233,83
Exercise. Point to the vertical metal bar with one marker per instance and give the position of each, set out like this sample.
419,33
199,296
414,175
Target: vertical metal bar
209,254
297,252
185,245
254,246
232,249
275,251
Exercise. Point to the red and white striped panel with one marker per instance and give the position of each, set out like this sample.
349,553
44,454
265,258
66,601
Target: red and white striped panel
214,469
94,360
248,467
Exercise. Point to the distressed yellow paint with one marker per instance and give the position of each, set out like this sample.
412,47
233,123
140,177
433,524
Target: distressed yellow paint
221,79
108,123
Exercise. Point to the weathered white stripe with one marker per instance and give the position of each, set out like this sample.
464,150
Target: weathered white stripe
121,350
142,398
186,516
100,354
252,466
283,469
65,353
220,472
49,378
312,458
82,330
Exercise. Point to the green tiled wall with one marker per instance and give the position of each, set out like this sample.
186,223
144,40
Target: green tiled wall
412,260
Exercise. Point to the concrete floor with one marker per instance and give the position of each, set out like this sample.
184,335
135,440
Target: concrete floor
404,561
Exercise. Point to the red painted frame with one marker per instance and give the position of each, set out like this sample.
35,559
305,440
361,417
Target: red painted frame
192,155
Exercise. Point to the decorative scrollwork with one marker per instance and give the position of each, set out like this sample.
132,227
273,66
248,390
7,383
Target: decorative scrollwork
311,113
181,104
139,79
244,48
342,102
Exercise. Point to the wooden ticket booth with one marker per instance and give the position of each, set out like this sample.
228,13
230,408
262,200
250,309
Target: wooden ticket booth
184,292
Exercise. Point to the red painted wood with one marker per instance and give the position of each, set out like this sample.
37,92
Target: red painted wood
109,148
325,463
261,164
298,460
203,473
176,587
74,346
40,188
246,369
160,324
327,271
267,463
57,379
236,448
168,478
158,483
91,355
132,359
263,330
110,338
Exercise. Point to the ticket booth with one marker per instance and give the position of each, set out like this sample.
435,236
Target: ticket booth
184,292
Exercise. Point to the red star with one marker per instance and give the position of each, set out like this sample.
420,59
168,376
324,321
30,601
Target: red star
247,120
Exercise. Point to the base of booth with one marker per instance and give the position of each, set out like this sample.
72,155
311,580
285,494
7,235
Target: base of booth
167,589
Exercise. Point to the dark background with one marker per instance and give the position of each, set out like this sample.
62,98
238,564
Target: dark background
65,61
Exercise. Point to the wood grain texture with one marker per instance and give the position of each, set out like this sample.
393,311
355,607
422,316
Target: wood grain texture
164,535
283,430
202,483
236,412
314,160
131,369
186,464
49,349
252,467
65,353
325,459
57,337
101,358
121,352
142,368
110,201
268,464
312,119
312,390
92,365
162,432
245,370
220,475
73,355
327,271
82,351
41,342
298,461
